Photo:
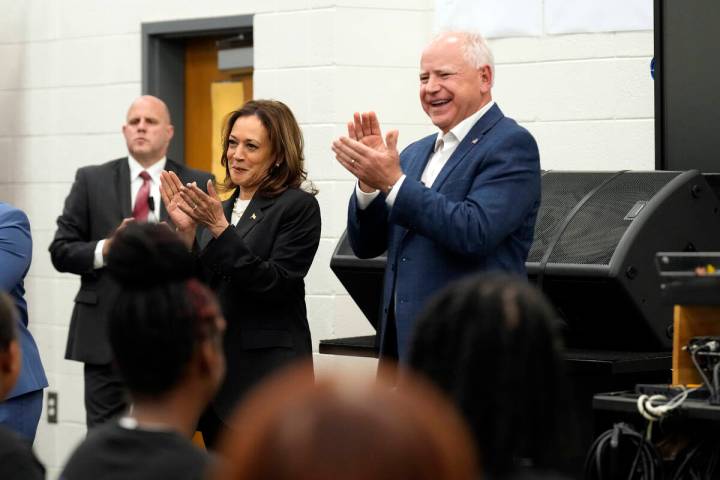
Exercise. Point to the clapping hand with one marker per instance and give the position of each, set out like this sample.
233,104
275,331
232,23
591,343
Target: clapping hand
170,186
204,208
374,162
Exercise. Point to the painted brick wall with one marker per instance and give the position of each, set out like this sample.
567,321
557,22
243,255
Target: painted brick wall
71,68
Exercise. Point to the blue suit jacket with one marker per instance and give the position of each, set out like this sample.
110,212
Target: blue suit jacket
478,215
15,258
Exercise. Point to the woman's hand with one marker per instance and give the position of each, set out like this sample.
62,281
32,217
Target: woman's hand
204,208
170,186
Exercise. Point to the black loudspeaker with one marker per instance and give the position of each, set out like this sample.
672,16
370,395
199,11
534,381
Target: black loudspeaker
363,279
596,237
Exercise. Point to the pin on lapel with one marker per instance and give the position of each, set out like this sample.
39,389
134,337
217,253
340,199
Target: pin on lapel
253,216
474,141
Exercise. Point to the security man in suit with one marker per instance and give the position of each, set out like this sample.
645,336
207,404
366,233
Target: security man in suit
459,201
103,199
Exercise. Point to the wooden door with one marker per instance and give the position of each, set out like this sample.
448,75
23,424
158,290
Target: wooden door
204,114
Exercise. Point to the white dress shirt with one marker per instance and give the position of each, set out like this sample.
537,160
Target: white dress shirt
445,145
238,210
136,182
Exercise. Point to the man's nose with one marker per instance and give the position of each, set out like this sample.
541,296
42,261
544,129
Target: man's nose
432,84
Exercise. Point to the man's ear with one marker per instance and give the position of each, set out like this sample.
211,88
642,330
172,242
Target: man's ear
10,361
486,75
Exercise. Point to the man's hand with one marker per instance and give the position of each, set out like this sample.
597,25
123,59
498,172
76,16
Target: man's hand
374,162
108,241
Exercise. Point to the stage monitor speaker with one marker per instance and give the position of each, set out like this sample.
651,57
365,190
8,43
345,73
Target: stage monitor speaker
593,255
595,239
362,278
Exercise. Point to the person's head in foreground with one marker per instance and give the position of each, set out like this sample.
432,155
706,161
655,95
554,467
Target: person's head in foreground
166,327
345,428
491,342
166,332
17,461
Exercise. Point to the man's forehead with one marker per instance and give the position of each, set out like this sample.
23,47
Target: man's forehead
147,108
442,53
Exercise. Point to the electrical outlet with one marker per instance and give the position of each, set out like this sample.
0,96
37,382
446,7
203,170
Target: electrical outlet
52,407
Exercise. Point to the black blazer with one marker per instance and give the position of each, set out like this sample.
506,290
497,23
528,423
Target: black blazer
98,201
257,269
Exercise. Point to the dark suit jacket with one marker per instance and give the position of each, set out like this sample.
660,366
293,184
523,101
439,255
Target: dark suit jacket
478,215
257,269
15,258
98,201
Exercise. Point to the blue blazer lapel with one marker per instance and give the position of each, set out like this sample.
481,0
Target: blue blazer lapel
472,140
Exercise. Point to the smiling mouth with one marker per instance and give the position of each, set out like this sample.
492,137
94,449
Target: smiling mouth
439,103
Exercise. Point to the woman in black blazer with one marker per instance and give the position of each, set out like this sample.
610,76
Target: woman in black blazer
255,248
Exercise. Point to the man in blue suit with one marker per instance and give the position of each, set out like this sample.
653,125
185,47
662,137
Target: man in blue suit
21,410
456,202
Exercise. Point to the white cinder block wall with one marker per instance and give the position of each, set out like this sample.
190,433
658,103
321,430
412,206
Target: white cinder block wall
71,68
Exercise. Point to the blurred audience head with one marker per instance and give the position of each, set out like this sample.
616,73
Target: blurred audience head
491,343
345,428
9,347
166,327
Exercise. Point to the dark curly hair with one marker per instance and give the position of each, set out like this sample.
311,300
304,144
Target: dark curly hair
161,314
491,342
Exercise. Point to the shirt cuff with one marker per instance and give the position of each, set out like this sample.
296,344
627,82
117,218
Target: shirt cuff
363,198
99,261
392,194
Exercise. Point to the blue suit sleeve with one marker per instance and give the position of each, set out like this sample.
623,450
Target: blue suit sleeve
15,248
505,187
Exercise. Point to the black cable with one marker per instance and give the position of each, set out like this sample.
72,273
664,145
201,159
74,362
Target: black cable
700,462
600,460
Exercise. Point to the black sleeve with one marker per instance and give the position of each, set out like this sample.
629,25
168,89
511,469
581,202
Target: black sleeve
294,248
71,250
17,460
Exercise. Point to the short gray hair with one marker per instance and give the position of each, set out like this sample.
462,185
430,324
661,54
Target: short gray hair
474,47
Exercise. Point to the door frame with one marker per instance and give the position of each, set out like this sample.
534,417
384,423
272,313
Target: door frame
163,63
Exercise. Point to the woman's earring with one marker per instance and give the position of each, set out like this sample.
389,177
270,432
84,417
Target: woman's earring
277,164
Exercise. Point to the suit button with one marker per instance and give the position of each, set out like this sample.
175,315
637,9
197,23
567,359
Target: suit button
404,259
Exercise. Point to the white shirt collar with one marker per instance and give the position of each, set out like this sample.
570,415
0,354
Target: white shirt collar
461,130
154,170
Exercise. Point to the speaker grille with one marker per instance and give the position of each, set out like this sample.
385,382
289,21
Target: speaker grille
594,232
560,193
